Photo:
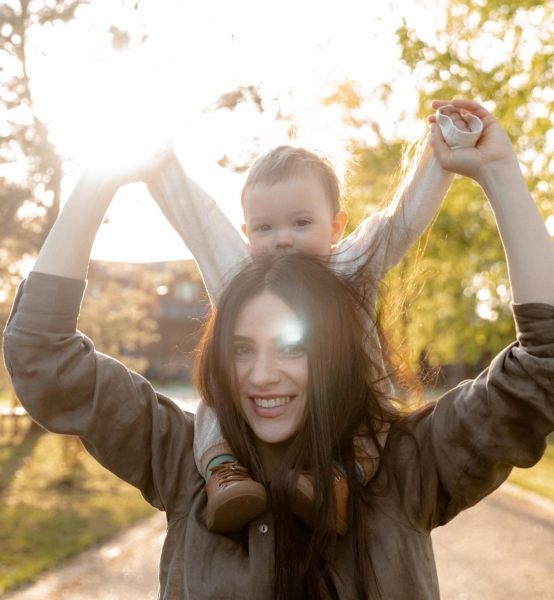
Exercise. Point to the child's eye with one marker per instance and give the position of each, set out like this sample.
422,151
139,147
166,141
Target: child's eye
262,228
302,222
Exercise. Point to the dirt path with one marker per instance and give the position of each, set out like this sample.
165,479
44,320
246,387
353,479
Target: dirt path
503,549
125,567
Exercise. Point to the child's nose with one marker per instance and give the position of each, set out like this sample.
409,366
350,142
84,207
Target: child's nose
283,239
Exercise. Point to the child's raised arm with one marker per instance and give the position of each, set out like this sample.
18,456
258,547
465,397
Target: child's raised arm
494,165
215,244
382,239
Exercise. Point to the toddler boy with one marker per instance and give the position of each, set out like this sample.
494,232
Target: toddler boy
291,202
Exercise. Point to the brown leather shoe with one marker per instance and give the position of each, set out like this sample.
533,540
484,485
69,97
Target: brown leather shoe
234,498
303,504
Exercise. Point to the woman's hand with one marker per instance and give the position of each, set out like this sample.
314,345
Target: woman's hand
494,165
493,151
66,251
130,168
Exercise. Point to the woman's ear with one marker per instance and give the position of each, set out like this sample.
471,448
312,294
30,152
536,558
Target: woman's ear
338,226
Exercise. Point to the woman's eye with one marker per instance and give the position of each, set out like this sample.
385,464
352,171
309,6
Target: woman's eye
292,349
242,351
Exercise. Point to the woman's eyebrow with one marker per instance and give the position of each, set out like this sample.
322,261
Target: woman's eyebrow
241,338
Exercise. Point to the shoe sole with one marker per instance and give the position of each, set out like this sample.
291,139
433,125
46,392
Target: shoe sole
303,506
234,513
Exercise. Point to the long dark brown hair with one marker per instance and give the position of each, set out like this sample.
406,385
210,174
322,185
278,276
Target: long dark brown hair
343,399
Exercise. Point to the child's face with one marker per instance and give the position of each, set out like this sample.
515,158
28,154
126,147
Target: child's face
291,216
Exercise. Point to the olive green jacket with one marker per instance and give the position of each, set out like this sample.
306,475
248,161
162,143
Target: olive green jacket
456,454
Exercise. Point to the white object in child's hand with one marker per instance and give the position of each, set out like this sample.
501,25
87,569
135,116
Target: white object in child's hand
454,137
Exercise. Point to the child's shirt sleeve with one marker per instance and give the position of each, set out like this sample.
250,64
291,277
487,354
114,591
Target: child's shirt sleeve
217,247
385,236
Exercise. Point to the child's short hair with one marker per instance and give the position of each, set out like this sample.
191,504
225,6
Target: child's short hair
287,162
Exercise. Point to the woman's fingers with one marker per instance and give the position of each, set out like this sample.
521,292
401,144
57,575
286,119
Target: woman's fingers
493,147
145,168
441,148
464,104
460,160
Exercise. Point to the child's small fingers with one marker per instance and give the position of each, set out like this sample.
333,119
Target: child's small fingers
471,106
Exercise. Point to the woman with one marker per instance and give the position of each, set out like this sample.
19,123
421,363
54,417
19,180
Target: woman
277,337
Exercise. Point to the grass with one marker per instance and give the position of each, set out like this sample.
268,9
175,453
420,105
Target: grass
538,479
56,501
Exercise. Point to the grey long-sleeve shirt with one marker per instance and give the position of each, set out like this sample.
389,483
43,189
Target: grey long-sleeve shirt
219,250
465,449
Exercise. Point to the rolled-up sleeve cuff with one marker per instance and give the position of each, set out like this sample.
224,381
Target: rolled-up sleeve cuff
47,303
535,327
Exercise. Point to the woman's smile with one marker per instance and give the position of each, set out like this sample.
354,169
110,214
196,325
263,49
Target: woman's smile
271,407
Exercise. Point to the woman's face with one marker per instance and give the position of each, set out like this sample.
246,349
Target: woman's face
272,368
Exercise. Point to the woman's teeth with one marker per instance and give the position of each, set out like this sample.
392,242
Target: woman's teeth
273,402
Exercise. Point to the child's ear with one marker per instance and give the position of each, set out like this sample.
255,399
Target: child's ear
338,226
245,231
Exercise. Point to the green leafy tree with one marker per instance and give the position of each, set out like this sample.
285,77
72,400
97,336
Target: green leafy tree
31,173
458,307
500,53
31,169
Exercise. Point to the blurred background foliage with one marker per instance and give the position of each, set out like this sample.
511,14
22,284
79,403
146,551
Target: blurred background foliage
115,316
457,307
500,53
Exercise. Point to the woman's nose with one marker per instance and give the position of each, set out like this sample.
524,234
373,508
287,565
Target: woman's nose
264,371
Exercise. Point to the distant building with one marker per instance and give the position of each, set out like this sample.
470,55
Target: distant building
179,303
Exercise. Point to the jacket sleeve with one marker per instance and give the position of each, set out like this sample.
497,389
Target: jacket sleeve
386,235
69,388
478,431
217,247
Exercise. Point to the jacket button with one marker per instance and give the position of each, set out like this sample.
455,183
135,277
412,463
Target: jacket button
264,529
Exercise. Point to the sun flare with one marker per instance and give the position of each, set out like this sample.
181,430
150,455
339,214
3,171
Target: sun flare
109,109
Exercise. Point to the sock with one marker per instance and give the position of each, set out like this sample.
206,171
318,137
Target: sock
217,461
340,468
359,472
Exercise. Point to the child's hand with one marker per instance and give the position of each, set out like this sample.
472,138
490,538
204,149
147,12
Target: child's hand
493,150
456,115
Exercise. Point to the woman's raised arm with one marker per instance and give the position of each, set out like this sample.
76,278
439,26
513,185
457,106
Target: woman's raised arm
66,251
494,165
